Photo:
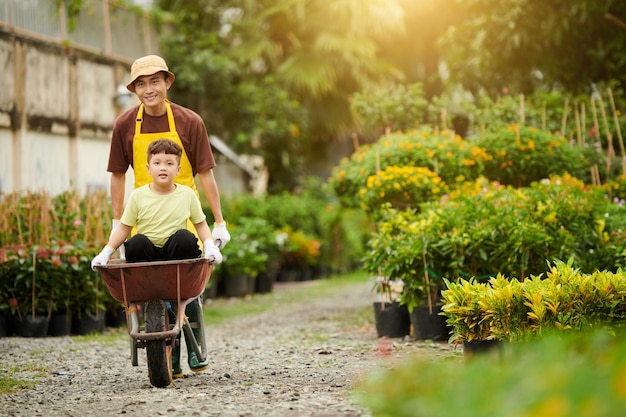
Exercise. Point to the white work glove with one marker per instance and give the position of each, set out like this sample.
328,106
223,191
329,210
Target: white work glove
103,257
212,252
114,225
220,234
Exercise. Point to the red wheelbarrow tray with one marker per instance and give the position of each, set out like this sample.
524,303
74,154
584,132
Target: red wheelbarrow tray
138,282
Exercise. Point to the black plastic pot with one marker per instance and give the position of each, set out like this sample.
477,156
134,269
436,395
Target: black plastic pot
60,324
84,323
238,285
392,319
429,325
4,325
481,347
264,283
31,326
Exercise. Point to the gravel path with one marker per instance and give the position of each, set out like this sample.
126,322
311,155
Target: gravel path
298,359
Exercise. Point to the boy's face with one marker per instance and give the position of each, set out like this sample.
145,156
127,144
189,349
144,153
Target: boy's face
163,168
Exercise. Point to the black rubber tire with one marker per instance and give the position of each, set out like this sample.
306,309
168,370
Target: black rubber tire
156,350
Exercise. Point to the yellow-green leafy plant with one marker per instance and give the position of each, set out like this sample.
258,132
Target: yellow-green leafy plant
464,307
564,300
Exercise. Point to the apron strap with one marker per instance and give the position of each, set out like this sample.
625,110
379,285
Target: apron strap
170,117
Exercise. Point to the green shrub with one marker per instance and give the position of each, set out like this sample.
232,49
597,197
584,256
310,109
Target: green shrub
335,235
452,158
397,107
574,375
483,229
519,156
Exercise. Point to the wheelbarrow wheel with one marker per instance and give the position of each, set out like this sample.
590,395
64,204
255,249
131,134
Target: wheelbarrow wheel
157,350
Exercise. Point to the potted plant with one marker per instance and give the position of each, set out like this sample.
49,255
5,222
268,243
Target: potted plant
245,256
299,251
397,251
31,290
4,294
62,260
87,298
390,317
464,311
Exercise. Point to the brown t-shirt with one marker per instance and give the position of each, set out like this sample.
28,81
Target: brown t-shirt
190,128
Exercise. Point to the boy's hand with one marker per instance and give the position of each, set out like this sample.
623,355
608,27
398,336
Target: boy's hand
220,234
212,252
103,257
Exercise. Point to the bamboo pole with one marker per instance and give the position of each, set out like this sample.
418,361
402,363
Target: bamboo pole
609,136
444,116
583,121
596,126
33,294
564,118
522,113
618,130
427,279
543,116
578,129
355,141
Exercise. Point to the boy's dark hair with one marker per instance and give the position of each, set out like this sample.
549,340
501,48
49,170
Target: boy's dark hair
165,146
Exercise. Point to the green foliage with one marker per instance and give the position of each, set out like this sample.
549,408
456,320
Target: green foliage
519,156
574,375
253,243
451,157
397,108
564,300
45,279
483,229
310,224
42,243
522,45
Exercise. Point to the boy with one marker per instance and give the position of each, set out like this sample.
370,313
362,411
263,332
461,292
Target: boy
160,211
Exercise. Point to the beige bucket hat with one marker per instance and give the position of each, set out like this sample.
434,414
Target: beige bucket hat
147,65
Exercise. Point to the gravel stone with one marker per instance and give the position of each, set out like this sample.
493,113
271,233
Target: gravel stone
300,360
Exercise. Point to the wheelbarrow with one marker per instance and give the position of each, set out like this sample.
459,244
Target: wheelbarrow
153,284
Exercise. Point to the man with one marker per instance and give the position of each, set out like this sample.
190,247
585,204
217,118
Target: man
158,118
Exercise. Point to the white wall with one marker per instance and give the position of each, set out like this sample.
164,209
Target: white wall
6,160
56,116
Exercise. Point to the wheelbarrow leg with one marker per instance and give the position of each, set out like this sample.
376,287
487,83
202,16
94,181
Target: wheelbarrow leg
193,329
195,335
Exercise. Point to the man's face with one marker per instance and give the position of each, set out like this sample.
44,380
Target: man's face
152,92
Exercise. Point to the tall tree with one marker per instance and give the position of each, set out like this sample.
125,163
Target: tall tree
323,51
522,44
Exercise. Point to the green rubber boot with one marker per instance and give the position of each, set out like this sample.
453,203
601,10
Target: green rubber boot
177,372
194,364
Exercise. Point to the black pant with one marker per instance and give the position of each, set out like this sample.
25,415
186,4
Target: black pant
181,245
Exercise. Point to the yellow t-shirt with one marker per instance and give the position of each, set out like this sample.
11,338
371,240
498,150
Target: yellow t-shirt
159,216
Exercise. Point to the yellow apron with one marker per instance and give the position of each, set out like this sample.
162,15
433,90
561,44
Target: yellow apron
141,141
